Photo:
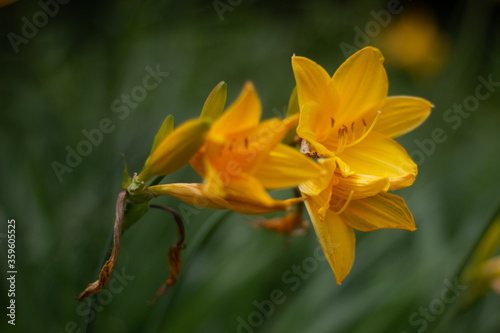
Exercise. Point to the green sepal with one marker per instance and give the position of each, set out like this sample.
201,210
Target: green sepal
126,179
137,191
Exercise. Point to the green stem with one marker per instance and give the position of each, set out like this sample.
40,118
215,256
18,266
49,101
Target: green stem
159,314
436,326
88,322
156,181
478,241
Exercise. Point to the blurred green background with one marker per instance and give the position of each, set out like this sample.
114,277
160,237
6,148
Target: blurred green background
62,77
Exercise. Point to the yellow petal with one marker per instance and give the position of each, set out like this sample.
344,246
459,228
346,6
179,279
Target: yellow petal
401,114
215,102
242,152
264,138
312,80
384,210
314,128
197,162
286,167
381,156
362,185
337,240
268,134
242,115
325,197
361,82
214,183
176,149
342,183
193,194
244,203
190,193
315,186
247,186
343,168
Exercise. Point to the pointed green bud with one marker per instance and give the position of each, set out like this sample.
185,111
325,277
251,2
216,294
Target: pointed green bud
215,103
175,149
166,128
293,108
293,103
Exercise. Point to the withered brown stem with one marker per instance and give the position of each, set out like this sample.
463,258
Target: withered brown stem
110,264
174,254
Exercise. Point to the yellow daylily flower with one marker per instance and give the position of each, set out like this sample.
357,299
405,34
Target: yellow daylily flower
241,159
415,43
349,120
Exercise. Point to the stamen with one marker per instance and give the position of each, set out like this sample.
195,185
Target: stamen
365,134
332,122
364,125
345,204
342,141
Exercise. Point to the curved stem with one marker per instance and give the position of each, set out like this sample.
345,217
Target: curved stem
178,220
436,325
174,254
